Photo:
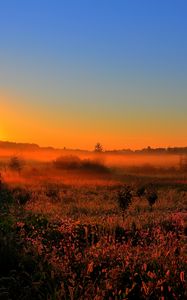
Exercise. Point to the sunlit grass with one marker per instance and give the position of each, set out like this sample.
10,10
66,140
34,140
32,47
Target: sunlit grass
72,229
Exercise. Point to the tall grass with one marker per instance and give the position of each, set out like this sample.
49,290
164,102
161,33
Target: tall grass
69,241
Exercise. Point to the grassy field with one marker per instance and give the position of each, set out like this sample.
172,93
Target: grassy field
64,234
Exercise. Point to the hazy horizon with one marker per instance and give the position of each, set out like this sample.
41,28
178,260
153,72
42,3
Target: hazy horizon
76,73
89,149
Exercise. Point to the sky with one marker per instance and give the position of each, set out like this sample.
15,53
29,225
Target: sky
74,73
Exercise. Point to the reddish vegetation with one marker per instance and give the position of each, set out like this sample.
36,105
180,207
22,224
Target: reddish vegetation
72,228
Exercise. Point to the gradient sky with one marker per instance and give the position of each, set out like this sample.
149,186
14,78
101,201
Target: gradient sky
75,72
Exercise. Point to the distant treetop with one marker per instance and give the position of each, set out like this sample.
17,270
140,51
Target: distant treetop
98,148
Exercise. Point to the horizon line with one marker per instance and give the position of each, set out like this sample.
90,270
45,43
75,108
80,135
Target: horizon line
87,150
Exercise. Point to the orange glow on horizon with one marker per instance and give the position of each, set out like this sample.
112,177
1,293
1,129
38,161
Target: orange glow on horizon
21,122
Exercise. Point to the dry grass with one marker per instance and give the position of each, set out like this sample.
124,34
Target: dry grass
73,232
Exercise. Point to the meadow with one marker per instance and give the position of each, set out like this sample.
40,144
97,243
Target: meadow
78,227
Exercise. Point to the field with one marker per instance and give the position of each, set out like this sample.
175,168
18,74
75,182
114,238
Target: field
82,229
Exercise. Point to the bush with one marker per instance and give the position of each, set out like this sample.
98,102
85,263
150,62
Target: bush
21,195
124,198
75,163
16,164
67,162
141,191
152,197
93,165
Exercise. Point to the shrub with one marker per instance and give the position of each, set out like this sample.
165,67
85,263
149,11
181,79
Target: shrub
124,198
152,197
16,164
21,195
75,163
67,162
141,191
120,234
94,165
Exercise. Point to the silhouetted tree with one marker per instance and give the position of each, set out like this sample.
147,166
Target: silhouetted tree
98,148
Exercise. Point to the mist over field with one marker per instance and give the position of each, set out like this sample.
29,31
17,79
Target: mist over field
87,167
110,158
114,222
93,150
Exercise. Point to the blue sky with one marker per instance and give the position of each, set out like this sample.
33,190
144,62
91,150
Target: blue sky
102,70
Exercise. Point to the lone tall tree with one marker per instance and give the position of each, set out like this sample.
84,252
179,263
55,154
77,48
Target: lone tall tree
98,148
